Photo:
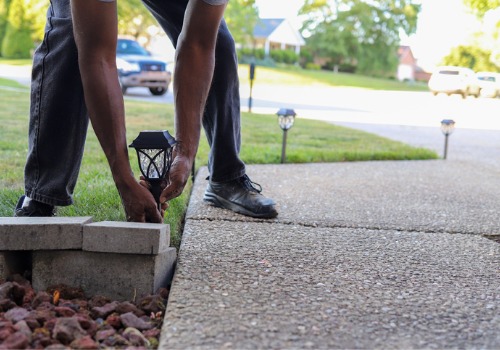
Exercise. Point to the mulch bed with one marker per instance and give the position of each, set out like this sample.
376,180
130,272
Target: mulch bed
62,317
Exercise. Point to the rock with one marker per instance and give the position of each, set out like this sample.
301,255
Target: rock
152,333
104,334
84,343
135,337
116,341
39,298
98,301
42,315
32,322
50,324
89,325
64,311
41,338
114,321
67,329
23,328
103,311
6,329
152,304
57,347
17,293
131,320
127,306
5,290
28,297
16,314
6,304
15,341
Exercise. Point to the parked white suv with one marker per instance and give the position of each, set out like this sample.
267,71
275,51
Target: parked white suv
136,67
490,84
454,80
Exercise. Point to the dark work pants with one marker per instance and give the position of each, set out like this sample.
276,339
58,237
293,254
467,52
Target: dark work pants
59,120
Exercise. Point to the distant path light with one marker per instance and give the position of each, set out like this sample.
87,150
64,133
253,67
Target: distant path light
286,118
447,127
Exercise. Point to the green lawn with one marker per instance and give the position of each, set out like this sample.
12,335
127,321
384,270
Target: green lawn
95,195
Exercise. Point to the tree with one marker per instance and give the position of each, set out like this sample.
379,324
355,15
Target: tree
134,19
241,17
487,38
472,57
36,14
360,32
4,12
17,42
480,7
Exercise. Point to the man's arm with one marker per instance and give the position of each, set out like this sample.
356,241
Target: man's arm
195,62
95,29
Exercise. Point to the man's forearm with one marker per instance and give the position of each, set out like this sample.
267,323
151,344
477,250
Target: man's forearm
195,62
95,28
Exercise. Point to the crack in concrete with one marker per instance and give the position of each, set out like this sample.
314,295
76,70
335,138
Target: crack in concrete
495,238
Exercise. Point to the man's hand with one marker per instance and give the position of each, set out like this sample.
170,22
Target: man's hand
139,204
179,175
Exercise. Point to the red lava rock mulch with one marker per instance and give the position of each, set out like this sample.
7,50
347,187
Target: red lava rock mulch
63,318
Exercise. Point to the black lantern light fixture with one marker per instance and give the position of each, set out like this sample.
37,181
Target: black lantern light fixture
286,118
447,127
154,153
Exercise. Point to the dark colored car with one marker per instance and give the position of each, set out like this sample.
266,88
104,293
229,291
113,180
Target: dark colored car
137,67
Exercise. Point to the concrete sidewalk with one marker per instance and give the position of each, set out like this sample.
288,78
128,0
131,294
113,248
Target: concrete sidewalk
362,255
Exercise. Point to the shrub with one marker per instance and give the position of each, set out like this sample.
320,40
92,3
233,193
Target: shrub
17,42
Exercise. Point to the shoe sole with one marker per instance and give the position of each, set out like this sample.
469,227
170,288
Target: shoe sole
223,203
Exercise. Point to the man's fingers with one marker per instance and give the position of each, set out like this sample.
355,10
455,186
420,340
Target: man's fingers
170,192
155,216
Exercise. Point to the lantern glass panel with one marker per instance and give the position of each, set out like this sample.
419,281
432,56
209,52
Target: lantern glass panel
447,126
286,121
153,163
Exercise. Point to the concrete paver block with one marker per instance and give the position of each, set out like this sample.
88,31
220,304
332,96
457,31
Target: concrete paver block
126,237
54,233
116,276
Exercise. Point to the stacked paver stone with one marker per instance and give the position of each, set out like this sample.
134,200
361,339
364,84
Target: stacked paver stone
119,260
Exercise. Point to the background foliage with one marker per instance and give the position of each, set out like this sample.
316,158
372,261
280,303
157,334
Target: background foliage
350,35
361,33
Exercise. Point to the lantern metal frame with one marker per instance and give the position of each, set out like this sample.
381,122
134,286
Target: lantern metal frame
154,155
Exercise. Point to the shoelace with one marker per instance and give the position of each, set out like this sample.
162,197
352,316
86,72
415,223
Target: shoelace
249,184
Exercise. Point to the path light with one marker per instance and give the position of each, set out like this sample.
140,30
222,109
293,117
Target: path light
154,153
286,117
447,127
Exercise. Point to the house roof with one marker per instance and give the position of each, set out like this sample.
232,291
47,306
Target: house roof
278,30
265,27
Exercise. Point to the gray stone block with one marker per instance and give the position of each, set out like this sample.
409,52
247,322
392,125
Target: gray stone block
54,233
117,276
126,237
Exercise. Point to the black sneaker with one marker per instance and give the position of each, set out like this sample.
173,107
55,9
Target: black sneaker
34,208
241,196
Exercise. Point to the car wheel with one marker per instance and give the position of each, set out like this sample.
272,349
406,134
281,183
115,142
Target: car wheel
158,91
434,93
465,94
